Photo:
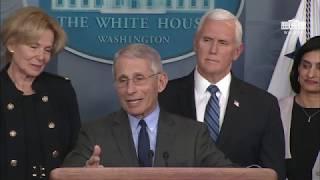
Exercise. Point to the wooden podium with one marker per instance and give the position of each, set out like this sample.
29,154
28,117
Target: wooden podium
163,174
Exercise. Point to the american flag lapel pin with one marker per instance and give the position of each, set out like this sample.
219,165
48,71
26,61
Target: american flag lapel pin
236,103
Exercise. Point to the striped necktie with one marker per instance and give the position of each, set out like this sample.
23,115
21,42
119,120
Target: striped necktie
212,113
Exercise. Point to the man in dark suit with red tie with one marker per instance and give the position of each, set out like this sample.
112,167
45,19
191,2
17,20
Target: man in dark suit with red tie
250,131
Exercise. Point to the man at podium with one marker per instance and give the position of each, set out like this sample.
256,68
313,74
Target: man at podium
141,133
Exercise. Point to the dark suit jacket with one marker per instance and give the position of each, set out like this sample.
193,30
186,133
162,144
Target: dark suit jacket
56,108
251,133
186,142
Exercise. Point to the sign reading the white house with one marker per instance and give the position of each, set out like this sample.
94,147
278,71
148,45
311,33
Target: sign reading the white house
98,28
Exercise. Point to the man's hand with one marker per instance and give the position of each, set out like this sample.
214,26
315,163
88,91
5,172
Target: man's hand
94,160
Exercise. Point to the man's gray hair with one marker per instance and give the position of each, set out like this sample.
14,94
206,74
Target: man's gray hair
141,51
221,14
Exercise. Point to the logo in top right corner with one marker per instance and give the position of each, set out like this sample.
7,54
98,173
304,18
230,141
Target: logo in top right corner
296,26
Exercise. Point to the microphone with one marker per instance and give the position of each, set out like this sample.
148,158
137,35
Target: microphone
165,156
150,157
254,166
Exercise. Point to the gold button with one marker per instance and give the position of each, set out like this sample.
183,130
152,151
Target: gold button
51,125
13,133
45,99
318,173
34,169
10,106
55,154
13,163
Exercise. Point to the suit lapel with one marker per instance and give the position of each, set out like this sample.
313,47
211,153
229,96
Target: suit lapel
165,138
123,136
187,100
232,111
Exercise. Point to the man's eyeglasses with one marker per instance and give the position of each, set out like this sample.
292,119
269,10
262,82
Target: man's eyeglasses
137,80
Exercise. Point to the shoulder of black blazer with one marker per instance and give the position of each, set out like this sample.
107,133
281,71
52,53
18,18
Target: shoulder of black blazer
240,88
178,96
44,83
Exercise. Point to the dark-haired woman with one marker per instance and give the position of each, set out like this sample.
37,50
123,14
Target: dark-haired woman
301,114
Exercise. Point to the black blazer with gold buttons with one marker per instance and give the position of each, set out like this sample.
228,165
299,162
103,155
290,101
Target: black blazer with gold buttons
57,112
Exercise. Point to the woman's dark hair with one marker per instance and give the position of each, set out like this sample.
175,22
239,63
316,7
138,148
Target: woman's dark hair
312,44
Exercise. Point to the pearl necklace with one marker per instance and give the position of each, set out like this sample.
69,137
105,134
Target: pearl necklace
308,115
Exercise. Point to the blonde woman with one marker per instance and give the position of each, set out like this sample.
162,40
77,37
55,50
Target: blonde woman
39,118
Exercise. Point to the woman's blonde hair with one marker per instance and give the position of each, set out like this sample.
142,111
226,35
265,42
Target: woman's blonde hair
25,27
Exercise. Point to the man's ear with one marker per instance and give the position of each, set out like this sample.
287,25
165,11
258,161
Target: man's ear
195,39
238,52
163,81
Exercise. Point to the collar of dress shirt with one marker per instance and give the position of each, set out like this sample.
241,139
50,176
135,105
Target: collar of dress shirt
201,84
151,120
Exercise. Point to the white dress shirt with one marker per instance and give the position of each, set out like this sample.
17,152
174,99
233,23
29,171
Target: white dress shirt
202,96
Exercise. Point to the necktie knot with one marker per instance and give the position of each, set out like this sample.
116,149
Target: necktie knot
213,89
143,123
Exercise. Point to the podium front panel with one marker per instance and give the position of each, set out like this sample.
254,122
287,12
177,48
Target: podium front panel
163,174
